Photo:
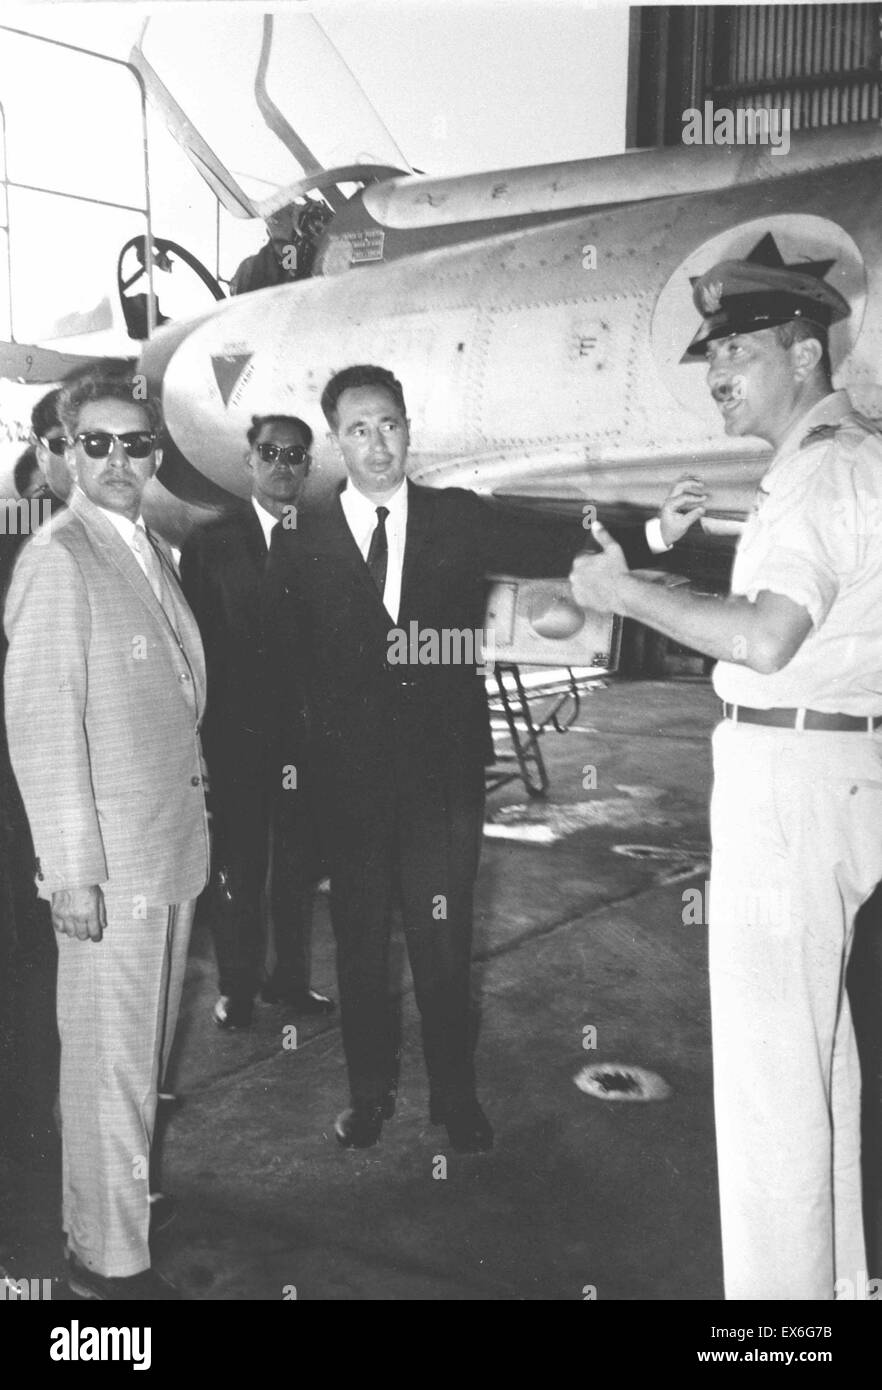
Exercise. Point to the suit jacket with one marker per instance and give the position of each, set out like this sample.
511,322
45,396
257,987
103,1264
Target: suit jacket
222,568
373,724
104,695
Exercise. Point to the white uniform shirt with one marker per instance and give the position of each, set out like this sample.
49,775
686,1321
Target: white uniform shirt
361,517
815,536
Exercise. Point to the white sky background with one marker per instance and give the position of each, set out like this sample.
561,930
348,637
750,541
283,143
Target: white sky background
465,86
460,86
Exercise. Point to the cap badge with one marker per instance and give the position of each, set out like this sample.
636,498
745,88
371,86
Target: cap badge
712,297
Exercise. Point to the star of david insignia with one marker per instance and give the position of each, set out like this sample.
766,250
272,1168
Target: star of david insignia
765,253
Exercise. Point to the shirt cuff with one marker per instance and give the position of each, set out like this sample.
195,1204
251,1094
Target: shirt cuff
654,538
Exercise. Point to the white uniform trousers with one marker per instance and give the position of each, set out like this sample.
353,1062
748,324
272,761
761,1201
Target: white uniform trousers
796,825
118,1003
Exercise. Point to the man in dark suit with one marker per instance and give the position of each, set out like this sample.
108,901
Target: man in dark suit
28,957
258,824
397,751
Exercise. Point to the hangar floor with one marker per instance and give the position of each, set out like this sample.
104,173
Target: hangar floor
580,925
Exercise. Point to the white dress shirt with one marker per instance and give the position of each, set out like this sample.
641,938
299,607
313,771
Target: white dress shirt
266,519
126,529
361,518
654,539
122,524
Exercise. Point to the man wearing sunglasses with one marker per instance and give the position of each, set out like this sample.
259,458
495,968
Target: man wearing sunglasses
262,835
105,687
50,445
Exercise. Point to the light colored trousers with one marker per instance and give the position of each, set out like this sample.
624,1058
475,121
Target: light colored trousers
796,825
118,1003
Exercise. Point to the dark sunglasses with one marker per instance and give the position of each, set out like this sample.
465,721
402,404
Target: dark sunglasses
293,454
97,444
55,446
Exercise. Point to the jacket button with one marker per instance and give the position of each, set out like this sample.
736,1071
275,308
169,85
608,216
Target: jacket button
195,781
183,676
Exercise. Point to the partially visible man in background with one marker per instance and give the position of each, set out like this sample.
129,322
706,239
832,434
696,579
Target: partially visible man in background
293,236
260,826
49,443
105,687
28,958
27,475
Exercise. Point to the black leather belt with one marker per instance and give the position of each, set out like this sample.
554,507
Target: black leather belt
803,719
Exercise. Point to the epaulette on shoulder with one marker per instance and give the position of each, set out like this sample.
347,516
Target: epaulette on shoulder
818,435
851,431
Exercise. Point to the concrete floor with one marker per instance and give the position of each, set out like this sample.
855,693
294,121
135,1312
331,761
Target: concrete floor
579,1193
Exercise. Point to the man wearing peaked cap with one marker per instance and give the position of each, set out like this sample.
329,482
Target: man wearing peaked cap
797,791
744,297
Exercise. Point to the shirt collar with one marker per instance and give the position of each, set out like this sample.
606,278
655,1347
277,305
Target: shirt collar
122,524
363,508
828,411
266,519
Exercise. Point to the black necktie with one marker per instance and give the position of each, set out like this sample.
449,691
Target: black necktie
378,555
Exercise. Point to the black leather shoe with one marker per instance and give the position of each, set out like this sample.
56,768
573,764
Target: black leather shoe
359,1127
231,1013
468,1128
148,1285
302,1002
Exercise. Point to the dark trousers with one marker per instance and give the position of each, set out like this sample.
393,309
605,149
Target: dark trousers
29,1045
265,864
420,853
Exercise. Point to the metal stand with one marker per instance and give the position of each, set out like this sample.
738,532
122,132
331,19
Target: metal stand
524,739
524,731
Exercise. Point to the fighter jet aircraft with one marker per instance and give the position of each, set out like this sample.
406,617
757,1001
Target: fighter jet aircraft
538,317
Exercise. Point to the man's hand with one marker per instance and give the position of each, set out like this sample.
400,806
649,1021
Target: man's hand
595,579
684,504
79,912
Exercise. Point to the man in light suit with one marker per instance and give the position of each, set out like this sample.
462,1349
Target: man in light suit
105,686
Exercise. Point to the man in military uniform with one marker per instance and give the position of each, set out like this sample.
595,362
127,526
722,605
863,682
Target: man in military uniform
797,796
